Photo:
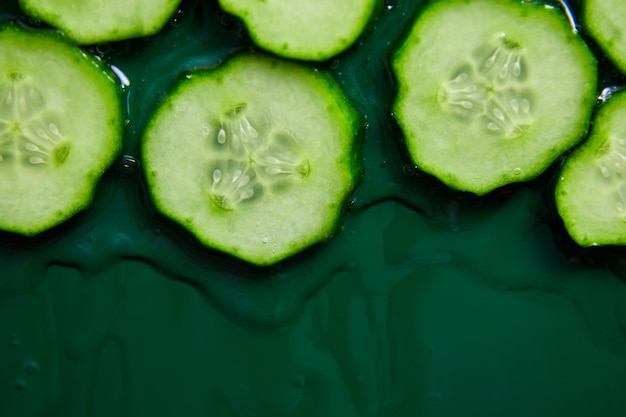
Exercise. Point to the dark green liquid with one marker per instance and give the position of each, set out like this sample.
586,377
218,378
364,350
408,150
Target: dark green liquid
427,302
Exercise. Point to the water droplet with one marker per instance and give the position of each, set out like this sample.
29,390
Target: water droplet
31,367
177,20
264,240
390,6
355,203
126,122
334,64
517,171
128,164
124,80
15,342
20,384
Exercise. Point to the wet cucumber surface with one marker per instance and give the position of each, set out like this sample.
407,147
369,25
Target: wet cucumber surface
429,302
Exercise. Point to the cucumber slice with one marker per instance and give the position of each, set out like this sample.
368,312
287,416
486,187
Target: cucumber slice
96,21
61,122
605,21
256,158
314,30
591,190
491,92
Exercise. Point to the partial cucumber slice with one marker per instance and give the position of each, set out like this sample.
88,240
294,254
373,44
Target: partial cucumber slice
96,21
605,20
313,30
591,191
61,122
256,158
491,92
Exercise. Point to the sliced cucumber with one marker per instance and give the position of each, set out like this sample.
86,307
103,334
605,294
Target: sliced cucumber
96,21
313,30
256,157
605,21
491,92
591,191
61,124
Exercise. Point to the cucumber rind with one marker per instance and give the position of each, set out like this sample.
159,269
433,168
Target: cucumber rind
95,21
304,29
561,80
77,103
604,21
590,194
280,97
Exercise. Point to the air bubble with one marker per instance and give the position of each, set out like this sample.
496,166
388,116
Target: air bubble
408,170
103,48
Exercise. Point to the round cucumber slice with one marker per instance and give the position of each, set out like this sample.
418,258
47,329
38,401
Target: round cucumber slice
591,191
61,122
491,92
314,30
256,158
96,21
604,21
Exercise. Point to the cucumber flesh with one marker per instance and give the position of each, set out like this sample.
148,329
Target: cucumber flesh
256,158
314,30
604,20
61,124
591,191
491,92
97,21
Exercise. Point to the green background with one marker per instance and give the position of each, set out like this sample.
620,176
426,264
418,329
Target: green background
427,303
